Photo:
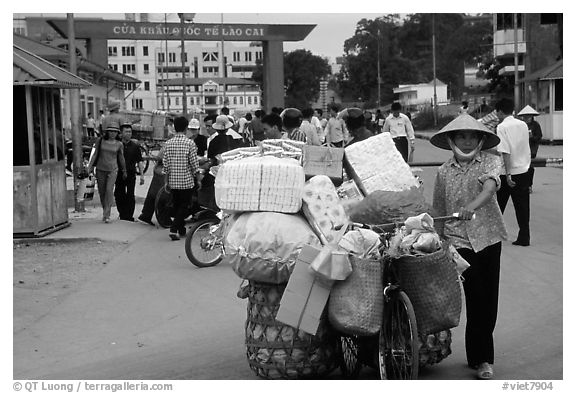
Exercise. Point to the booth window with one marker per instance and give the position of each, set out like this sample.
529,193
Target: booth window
20,153
558,89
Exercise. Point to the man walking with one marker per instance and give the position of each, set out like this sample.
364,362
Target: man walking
124,188
181,167
515,151
334,129
400,128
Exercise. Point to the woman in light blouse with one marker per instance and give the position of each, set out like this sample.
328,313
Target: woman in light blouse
467,184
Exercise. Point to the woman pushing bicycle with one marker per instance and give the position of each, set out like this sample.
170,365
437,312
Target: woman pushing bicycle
467,184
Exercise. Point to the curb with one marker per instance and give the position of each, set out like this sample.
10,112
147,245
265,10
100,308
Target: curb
59,240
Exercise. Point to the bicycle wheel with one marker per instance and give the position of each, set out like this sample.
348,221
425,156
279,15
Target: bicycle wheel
350,364
163,208
203,248
398,341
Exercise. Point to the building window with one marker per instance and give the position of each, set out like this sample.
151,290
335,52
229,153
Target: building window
128,68
506,21
247,56
113,67
172,57
558,89
128,51
161,57
234,101
145,51
236,56
241,100
255,100
137,103
210,56
548,19
112,51
210,70
220,100
258,55
249,100
177,101
185,57
191,100
147,86
146,68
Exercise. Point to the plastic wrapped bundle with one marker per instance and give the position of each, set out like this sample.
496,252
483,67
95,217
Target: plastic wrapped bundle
260,184
278,351
322,207
264,246
376,164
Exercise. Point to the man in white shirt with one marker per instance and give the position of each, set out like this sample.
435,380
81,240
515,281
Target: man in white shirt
316,122
515,150
400,128
335,129
308,128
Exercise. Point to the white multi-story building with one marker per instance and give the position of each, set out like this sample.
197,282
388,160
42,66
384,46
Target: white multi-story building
211,82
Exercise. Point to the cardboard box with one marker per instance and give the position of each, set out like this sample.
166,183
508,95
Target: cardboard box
319,160
305,296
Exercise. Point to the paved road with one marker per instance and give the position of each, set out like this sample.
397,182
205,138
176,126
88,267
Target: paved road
151,315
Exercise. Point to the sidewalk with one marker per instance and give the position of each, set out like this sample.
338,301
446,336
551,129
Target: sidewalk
89,224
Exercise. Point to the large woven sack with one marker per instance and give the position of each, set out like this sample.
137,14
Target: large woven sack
356,304
431,282
278,351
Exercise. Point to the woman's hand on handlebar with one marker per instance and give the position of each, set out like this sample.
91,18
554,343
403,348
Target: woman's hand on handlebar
465,213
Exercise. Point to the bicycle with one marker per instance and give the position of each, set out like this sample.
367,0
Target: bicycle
398,339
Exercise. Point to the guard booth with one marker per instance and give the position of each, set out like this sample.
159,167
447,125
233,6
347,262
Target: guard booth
39,175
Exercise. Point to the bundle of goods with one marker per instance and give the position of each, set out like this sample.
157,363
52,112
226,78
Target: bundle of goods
356,304
427,273
282,148
322,208
279,351
321,160
264,246
434,347
260,184
240,153
375,164
382,207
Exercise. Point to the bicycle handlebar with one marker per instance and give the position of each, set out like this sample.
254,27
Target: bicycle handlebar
389,226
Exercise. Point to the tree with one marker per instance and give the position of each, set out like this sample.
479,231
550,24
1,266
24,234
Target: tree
406,53
302,74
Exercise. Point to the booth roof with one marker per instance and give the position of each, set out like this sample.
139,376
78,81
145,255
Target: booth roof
30,69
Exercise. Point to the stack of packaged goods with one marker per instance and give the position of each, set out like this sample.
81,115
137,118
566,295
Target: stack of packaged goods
262,245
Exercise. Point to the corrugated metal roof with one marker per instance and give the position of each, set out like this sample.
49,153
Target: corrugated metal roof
553,71
53,53
217,80
29,69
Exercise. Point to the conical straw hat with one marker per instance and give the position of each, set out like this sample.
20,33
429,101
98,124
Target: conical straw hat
464,122
528,110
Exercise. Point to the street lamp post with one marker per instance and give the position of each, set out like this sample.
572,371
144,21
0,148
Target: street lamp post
182,54
377,38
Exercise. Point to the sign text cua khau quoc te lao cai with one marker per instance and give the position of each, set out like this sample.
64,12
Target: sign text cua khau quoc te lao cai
192,31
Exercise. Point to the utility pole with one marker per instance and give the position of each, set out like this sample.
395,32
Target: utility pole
378,65
166,65
516,84
223,73
435,104
182,54
75,132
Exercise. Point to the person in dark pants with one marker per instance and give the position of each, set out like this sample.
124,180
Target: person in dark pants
400,128
158,180
183,173
124,188
527,115
467,184
515,150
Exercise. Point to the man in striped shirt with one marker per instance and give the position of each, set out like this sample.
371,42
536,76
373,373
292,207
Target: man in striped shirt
182,170
291,121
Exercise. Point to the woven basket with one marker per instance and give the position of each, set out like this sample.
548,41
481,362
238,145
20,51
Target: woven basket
279,351
356,304
431,282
